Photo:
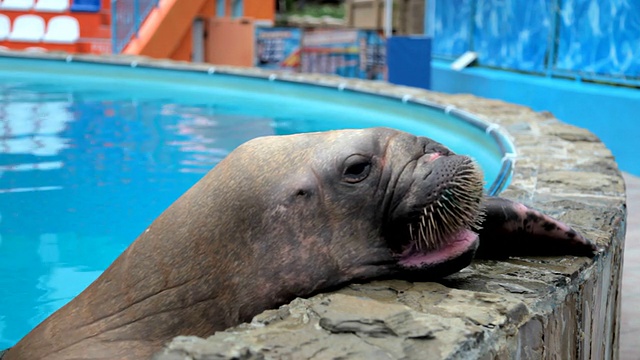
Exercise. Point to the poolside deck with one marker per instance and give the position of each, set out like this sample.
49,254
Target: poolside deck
630,327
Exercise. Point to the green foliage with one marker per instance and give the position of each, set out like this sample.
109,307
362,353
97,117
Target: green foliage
317,10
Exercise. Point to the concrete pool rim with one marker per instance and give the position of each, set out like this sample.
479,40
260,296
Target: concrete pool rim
564,307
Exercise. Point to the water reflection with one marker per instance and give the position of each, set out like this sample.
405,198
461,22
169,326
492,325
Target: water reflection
32,127
210,135
82,175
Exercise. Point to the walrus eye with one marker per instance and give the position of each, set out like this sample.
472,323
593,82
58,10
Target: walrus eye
357,169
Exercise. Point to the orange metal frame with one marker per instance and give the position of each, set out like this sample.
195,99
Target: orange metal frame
167,31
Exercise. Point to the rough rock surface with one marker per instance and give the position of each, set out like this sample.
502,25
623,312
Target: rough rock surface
525,308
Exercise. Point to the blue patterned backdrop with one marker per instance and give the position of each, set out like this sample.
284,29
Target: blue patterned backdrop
600,37
586,38
512,33
452,27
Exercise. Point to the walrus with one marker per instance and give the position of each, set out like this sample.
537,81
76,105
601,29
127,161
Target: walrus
289,216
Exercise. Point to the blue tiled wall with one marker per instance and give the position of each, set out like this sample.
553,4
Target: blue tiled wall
600,37
512,34
452,27
586,38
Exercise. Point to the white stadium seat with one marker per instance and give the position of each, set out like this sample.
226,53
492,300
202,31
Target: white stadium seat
16,5
35,49
52,5
62,29
5,26
27,28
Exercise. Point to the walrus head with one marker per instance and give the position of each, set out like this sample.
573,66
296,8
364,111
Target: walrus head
432,200
405,204
432,218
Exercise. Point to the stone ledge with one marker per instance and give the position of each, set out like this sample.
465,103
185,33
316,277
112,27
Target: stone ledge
530,308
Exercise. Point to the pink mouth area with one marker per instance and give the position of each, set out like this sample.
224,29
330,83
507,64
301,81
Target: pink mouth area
456,245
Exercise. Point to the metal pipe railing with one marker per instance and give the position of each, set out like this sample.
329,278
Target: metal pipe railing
127,17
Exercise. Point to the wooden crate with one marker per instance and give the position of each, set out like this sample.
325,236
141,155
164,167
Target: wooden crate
365,14
411,13
408,15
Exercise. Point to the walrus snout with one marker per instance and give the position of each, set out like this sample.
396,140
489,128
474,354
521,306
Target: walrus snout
442,177
452,190
435,218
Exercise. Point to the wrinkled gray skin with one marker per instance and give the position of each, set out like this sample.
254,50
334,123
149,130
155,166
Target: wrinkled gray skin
280,217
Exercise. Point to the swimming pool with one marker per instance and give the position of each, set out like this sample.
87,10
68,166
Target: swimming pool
91,153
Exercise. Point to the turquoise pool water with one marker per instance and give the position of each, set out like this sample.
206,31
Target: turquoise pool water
90,155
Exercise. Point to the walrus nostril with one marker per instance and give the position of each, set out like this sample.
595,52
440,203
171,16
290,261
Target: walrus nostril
432,147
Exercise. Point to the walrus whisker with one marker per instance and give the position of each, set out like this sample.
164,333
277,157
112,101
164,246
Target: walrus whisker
432,237
423,236
432,226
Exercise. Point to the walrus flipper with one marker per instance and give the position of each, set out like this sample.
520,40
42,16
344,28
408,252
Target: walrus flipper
512,229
